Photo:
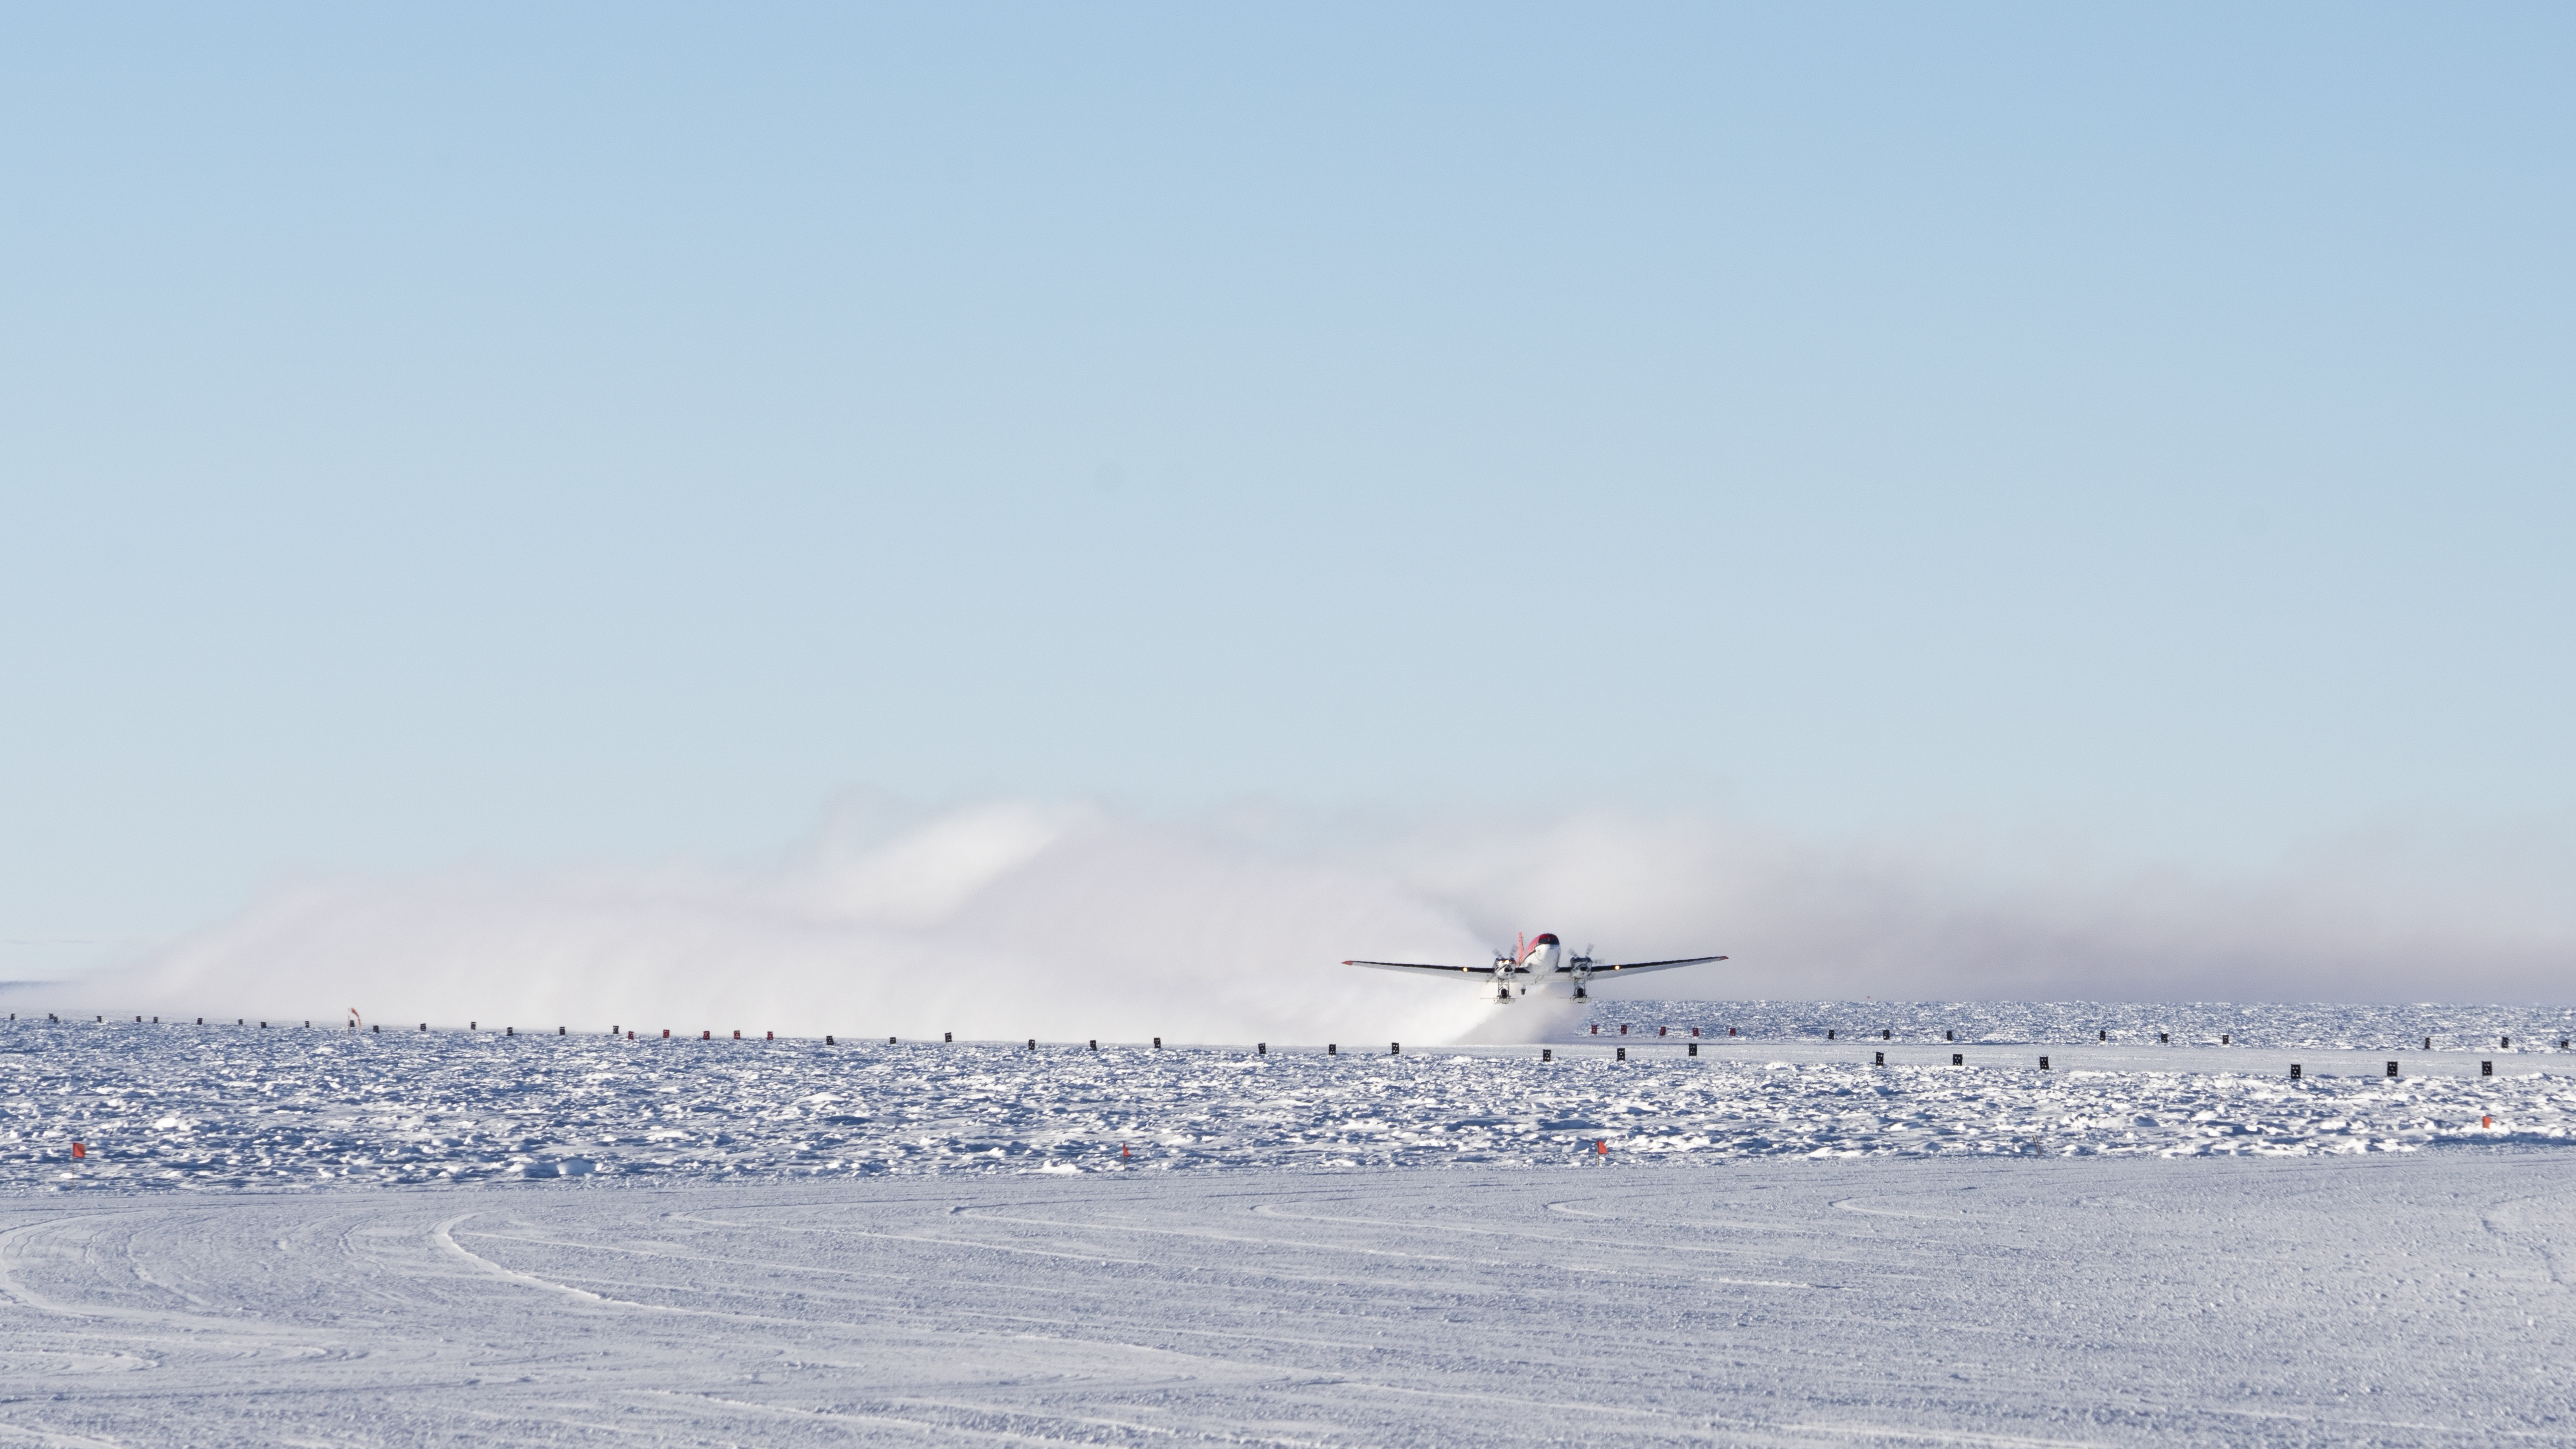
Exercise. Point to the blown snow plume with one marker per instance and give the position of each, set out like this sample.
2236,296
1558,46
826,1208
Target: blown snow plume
995,923
2412,911
1014,920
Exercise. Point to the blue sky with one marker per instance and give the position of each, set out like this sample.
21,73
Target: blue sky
610,433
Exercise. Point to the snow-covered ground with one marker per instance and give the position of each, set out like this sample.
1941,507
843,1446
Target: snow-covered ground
249,1107
182,1106
299,1235
2415,1299
2304,1025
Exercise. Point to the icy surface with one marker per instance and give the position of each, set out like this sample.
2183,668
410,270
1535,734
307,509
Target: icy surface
215,1107
2313,1026
2381,1300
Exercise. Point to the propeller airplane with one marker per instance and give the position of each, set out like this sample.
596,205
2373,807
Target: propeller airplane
1543,960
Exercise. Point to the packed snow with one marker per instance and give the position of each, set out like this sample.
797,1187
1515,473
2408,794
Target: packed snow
286,1105
2408,1300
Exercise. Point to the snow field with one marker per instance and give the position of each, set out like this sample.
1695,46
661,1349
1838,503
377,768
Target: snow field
2307,1026
180,1106
2408,1300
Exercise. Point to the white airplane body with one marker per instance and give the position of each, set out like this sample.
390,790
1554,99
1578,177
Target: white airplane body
1543,963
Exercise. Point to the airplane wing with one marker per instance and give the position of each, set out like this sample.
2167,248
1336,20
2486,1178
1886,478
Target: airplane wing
1418,966
1644,965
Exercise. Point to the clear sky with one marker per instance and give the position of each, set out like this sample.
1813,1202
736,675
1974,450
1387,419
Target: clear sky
538,435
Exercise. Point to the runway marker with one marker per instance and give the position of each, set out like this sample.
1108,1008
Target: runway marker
1547,1054
2294,1071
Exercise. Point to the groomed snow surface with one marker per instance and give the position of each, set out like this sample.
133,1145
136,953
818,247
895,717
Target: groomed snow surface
2384,1300
293,1236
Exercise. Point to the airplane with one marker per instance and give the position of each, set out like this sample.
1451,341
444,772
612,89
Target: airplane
1545,958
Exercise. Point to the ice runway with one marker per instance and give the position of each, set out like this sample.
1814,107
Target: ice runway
2415,1299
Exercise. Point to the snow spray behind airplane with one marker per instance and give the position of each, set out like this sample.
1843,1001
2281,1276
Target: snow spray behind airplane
1001,922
